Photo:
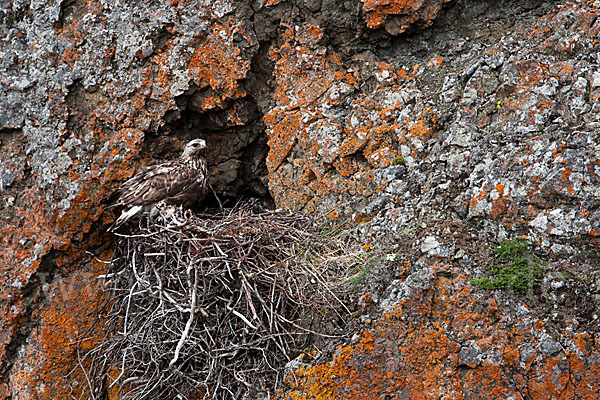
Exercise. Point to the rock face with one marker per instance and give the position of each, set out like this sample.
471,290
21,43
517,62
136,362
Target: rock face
445,126
471,347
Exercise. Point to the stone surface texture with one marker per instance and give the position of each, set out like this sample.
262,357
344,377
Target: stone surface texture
439,127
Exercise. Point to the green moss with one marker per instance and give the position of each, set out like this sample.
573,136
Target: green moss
398,161
516,269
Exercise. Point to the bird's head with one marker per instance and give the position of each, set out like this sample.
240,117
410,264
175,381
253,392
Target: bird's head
194,147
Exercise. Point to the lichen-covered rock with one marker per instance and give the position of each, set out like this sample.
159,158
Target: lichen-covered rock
398,15
509,140
442,127
66,329
471,346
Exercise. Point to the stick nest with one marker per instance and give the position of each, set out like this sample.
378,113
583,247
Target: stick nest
214,305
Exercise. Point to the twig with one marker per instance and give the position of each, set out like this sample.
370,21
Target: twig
189,322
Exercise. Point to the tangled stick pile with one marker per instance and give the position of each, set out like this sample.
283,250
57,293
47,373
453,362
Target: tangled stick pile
208,304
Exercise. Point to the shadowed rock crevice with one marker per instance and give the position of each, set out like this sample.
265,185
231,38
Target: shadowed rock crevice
235,139
70,11
235,131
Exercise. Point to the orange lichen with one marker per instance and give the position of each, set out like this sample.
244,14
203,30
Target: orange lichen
426,126
378,10
61,230
435,62
501,205
311,34
482,193
408,11
580,19
217,64
566,181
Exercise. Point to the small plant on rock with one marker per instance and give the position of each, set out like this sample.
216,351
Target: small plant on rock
516,268
399,160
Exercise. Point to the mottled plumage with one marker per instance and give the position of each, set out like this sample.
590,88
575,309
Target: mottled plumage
179,182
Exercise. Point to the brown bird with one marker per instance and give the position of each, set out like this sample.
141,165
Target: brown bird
183,181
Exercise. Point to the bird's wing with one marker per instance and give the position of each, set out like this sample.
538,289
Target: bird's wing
157,183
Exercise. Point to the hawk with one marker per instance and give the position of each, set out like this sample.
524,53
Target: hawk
183,181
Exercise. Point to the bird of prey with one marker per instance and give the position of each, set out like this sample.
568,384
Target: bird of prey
183,181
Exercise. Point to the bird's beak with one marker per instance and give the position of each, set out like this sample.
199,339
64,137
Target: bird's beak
202,144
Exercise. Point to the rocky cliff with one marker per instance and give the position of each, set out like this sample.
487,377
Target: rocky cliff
440,128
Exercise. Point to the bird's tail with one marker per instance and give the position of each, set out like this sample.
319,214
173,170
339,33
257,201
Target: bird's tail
125,215
113,199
